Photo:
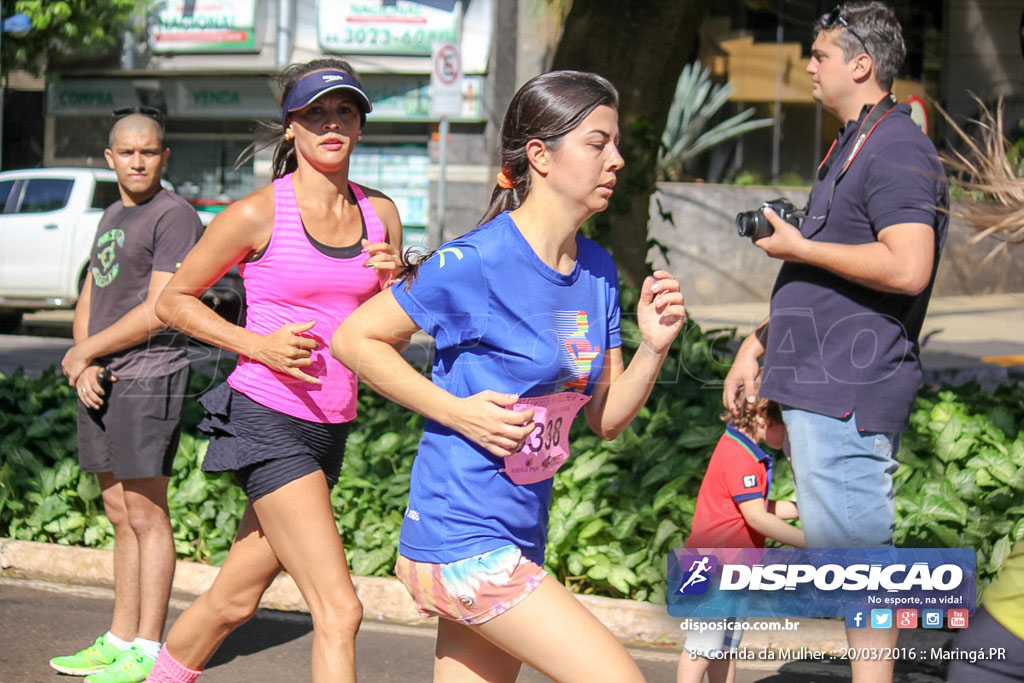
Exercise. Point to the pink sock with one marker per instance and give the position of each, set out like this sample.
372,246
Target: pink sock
167,670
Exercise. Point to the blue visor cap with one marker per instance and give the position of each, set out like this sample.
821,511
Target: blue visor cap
312,86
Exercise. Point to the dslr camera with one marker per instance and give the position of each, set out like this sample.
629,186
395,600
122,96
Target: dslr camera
754,225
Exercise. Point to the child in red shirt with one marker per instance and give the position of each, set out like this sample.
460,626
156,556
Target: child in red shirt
733,511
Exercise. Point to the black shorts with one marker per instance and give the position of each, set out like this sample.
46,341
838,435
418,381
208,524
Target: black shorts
134,435
264,448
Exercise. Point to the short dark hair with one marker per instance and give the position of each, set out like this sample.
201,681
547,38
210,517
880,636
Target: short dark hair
875,24
125,112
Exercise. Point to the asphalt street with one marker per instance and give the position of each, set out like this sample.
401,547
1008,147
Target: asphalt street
39,620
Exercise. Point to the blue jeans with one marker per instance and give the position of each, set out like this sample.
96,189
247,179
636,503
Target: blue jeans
843,480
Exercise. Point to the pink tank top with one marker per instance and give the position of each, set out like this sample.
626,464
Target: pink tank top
293,282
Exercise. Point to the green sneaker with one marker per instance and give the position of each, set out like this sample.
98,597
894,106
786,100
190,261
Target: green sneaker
96,657
131,667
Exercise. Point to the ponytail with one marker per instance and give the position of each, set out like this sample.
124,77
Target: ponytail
271,133
546,108
503,198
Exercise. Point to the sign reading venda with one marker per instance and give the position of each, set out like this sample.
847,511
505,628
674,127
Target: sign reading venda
816,582
205,26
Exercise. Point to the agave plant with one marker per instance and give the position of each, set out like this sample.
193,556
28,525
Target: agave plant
696,101
992,171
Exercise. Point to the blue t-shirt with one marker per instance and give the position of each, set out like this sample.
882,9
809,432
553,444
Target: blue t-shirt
502,320
838,348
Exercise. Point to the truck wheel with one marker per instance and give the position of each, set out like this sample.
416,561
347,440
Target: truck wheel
10,321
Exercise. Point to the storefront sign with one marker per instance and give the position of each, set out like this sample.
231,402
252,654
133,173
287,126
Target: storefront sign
395,98
205,26
407,98
233,98
404,27
88,97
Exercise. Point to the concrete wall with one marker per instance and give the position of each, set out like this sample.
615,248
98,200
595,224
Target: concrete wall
715,266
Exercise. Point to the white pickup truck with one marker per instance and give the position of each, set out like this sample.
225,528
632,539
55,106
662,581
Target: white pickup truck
48,219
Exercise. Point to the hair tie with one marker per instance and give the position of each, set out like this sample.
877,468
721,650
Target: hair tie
503,181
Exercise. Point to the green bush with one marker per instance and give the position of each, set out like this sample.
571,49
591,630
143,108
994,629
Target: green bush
44,495
618,506
961,478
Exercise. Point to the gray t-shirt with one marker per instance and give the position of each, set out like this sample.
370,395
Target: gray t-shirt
131,243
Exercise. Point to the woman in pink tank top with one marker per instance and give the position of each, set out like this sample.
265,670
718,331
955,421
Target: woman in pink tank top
310,248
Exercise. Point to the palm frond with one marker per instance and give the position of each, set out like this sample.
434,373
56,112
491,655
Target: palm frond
985,171
696,101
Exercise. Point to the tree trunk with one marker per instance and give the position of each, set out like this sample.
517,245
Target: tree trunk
641,46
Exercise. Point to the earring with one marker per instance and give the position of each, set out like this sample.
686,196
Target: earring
289,135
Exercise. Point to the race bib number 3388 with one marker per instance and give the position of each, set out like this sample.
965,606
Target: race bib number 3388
547,447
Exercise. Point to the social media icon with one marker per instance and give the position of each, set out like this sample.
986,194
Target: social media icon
957,618
906,618
881,618
931,618
856,618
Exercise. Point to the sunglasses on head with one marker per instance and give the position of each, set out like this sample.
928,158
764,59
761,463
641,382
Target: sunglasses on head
151,112
836,18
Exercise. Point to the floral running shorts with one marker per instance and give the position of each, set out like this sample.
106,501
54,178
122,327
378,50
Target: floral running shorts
473,590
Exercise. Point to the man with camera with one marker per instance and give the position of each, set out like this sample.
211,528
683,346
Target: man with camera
131,375
840,345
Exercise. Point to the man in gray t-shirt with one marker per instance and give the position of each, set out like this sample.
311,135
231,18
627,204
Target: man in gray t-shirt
131,375
132,244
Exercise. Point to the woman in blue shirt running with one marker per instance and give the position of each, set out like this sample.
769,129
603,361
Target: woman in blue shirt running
525,315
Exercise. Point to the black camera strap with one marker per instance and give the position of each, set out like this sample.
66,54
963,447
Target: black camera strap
878,112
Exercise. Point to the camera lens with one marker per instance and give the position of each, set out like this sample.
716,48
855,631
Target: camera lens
747,223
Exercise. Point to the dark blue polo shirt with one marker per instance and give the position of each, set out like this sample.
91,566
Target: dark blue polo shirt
838,348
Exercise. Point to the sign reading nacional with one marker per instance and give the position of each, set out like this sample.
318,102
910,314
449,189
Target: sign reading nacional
405,27
205,26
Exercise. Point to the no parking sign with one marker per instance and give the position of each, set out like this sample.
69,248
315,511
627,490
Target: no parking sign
445,80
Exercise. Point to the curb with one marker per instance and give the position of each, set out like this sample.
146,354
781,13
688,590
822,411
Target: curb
387,600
